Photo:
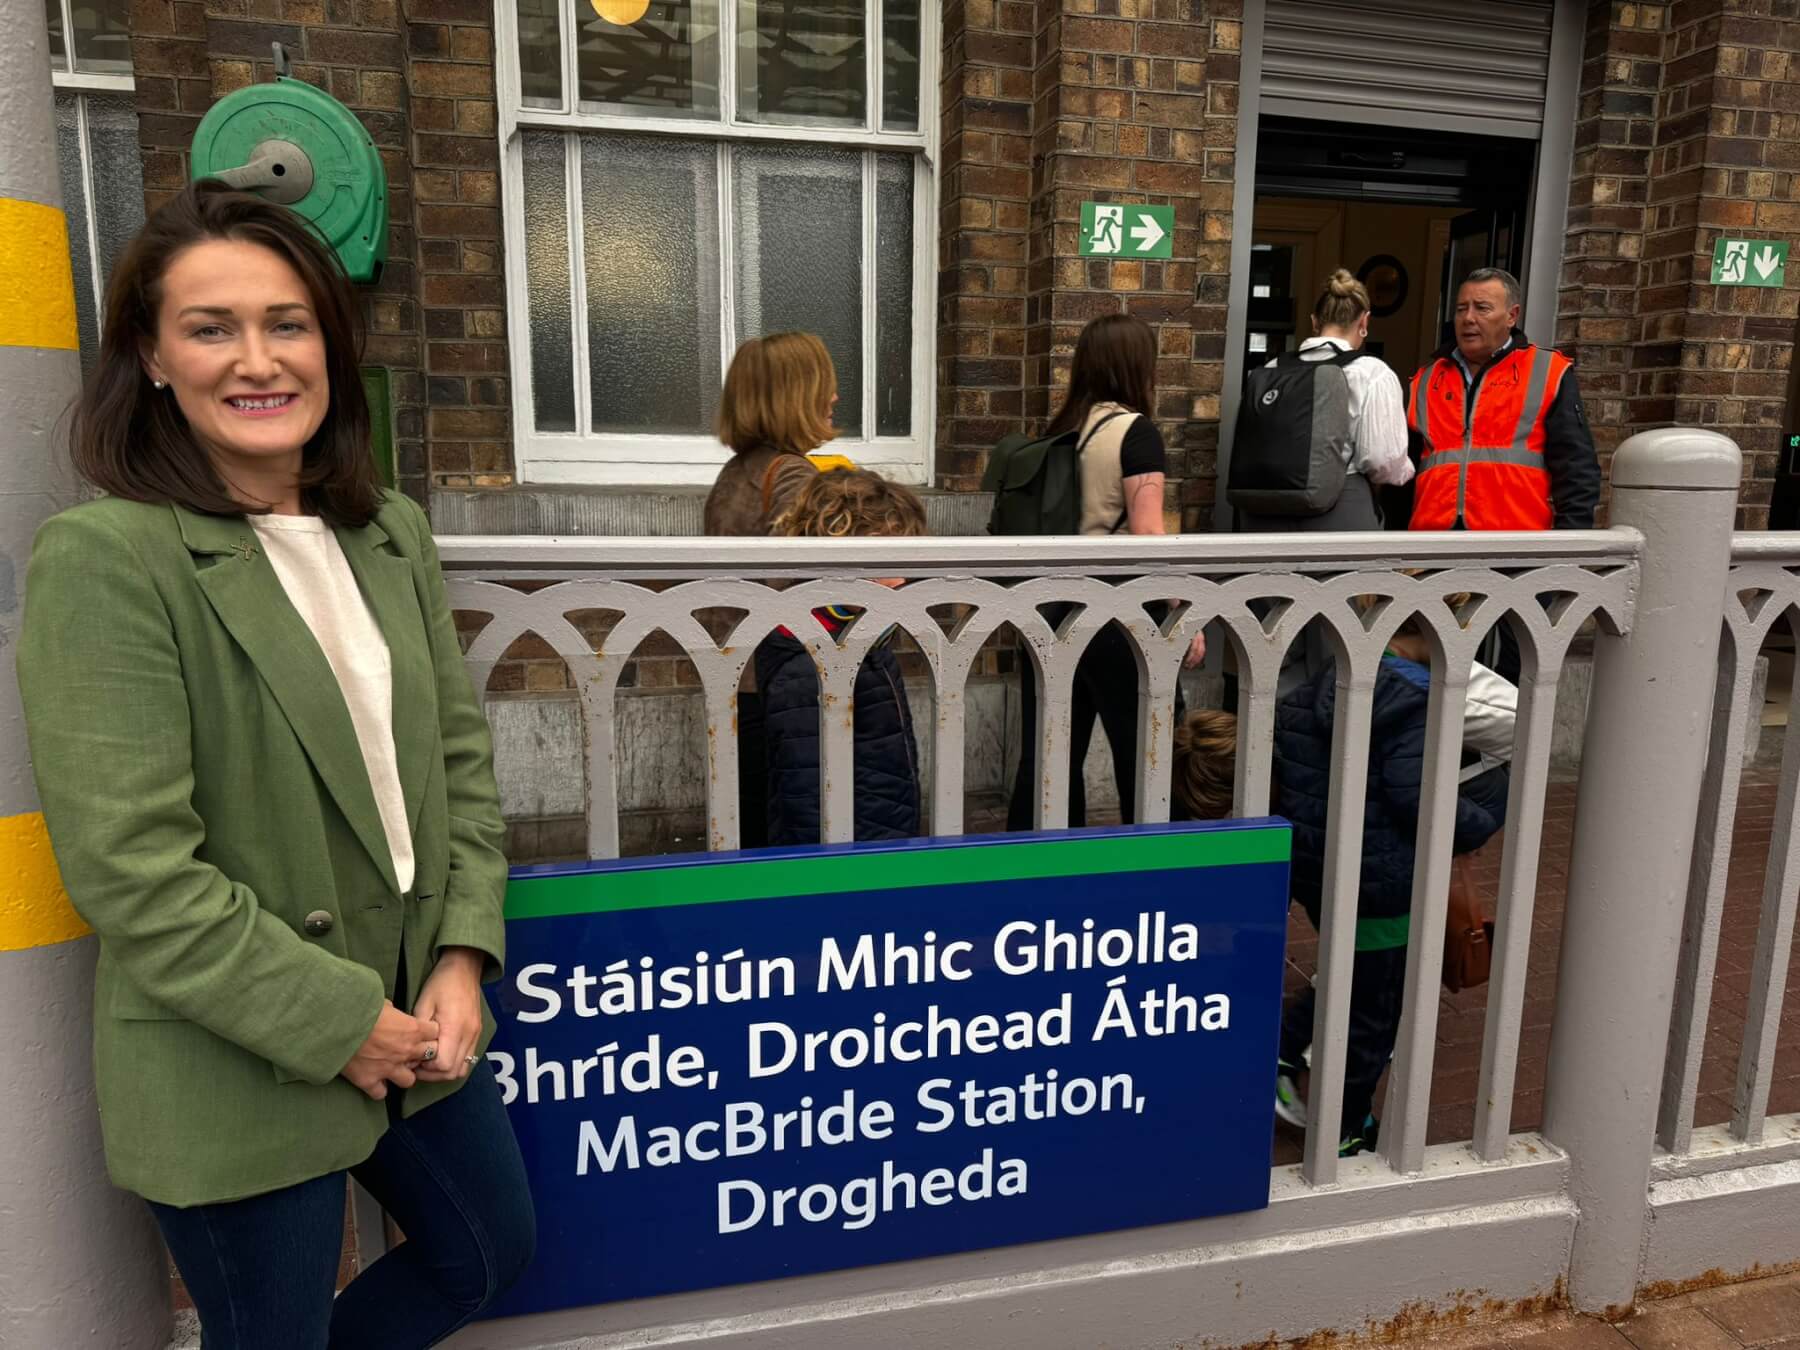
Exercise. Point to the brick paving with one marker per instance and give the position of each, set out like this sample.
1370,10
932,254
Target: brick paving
1761,1313
1461,1016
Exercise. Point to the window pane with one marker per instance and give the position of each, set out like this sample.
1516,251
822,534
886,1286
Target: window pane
75,210
117,166
547,269
650,211
540,54
893,294
656,57
802,62
799,255
900,65
102,36
59,55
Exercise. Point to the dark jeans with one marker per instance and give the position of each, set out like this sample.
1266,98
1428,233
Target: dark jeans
1106,687
261,1271
1376,990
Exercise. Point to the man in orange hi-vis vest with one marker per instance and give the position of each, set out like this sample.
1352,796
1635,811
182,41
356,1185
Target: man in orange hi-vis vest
1502,438
1497,424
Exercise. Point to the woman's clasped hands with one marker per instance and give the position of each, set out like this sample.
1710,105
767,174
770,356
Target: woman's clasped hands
435,1043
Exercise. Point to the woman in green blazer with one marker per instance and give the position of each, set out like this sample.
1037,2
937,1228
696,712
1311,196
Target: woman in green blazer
270,790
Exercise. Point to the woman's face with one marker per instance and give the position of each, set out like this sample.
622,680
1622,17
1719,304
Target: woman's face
241,350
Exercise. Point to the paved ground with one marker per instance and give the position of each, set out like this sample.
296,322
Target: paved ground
1762,1313
1460,1020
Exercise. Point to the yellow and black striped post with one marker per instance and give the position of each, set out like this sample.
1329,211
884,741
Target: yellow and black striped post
80,1262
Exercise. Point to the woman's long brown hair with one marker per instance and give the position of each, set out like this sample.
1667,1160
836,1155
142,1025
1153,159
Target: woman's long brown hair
131,440
1115,362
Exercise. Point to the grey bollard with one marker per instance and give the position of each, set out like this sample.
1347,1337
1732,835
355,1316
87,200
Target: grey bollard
81,1267
1647,729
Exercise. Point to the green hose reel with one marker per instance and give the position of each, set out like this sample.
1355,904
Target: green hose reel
294,144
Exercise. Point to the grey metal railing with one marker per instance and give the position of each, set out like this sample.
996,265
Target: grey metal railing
1579,1199
1258,593
1762,594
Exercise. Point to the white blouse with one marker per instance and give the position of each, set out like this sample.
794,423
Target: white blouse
319,582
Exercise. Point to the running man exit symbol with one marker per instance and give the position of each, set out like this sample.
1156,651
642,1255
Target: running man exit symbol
1749,262
1126,231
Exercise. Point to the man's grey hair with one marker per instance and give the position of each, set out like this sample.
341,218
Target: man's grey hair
1514,295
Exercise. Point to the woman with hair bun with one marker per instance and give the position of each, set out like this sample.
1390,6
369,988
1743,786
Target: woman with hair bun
1340,321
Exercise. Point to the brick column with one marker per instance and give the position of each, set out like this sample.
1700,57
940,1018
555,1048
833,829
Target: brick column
1143,110
982,217
1732,78
468,425
1625,365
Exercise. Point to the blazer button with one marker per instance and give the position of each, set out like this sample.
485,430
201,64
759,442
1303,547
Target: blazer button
318,923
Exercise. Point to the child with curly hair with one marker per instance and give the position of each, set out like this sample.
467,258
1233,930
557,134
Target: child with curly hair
842,504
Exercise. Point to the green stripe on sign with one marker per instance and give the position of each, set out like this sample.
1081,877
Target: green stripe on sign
654,887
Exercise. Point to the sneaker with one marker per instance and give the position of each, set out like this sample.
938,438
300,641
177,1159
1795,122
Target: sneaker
1360,1141
1289,1104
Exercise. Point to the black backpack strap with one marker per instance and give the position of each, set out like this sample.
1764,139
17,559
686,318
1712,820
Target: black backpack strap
1095,431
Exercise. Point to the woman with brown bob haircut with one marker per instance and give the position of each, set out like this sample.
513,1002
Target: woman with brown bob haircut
270,790
775,409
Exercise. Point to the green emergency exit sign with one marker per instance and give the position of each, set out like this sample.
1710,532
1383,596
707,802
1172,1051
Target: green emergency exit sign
1120,230
1749,262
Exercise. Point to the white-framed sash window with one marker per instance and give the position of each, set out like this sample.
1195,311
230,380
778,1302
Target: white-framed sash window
97,146
681,175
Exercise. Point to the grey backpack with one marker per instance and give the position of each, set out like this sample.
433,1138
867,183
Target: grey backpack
1293,437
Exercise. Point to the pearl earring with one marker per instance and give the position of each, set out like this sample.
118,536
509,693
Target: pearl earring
157,384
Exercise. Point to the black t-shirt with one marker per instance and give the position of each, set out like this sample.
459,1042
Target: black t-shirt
1142,449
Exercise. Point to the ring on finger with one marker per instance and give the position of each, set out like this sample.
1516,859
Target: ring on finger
430,1053
471,1060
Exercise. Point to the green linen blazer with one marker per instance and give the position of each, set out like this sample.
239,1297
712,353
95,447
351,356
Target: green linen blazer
213,821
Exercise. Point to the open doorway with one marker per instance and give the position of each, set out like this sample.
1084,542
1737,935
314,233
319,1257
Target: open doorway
1411,213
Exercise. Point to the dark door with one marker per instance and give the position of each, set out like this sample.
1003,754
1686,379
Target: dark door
1487,237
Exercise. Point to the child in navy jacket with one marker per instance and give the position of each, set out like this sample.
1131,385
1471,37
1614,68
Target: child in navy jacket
840,504
1304,721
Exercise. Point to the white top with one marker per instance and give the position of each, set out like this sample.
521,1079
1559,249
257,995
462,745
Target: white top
319,582
1377,414
1490,715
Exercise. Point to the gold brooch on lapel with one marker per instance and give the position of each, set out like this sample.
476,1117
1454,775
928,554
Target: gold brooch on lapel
244,549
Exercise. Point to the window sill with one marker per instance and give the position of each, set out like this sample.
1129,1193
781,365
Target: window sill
636,511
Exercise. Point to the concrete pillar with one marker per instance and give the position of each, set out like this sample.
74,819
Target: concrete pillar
80,1262
1648,720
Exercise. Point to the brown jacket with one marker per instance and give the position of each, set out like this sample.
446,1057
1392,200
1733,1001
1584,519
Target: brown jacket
753,489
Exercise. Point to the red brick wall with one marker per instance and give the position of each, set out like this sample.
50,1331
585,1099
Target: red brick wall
1689,130
420,78
1046,107
1599,303
186,55
1732,89
456,153
1145,111
983,212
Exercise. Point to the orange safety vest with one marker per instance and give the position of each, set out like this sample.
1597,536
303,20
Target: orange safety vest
1484,457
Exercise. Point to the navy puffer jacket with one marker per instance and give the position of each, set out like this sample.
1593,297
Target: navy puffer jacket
1303,722
886,756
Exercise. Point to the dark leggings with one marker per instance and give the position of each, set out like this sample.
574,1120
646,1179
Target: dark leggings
261,1271
1106,687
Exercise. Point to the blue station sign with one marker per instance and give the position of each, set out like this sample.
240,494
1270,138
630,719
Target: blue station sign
734,1067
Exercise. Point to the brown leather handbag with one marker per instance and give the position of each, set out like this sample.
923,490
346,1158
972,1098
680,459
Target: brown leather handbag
1468,932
